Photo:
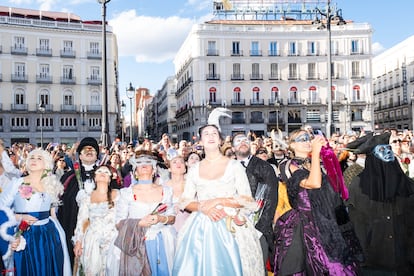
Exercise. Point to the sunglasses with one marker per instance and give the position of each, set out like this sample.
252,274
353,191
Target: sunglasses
261,152
302,138
102,170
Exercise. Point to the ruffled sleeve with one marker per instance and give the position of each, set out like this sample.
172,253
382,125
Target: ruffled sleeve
125,195
9,192
83,216
168,199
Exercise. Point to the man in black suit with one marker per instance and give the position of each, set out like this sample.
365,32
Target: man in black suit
261,176
87,150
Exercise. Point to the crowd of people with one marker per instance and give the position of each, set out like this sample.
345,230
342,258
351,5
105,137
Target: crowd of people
238,205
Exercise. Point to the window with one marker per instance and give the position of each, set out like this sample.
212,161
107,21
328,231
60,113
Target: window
68,122
236,72
356,93
256,70
44,97
355,70
212,49
355,47
256,94
292,49
255,51
236,95
44,71
274,94
311,71
94,47
20,69
19,97
43,44
95,122
95,73
19,122
212,74
311,48
68,72
68,98
293,74
67,46
212,94
274,71
236,48
273,49
95,99
19,42
313,95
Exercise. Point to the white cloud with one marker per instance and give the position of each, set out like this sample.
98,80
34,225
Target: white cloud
47,5
377,48
200,4
149,39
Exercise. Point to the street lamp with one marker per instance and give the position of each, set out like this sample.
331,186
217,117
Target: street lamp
123,106
42,110
337,17
105,124
130,92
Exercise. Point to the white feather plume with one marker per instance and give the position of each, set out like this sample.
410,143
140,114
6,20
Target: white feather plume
278,140
216,113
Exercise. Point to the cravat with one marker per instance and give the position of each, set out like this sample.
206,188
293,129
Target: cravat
244,164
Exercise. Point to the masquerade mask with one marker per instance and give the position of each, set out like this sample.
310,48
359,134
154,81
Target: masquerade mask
384,153
240,139
302,138
145,160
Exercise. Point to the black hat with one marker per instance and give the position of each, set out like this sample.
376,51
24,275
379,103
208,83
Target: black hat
359,141
88,141
372,142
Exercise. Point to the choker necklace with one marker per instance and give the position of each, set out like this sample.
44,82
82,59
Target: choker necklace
144,182
214,159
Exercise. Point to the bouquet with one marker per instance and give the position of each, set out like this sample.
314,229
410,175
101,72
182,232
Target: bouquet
260,199
23,227
26,191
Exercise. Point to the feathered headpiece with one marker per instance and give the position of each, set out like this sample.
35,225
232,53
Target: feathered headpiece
216,113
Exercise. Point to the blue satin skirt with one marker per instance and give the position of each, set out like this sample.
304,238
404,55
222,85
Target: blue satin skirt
43,254
207,248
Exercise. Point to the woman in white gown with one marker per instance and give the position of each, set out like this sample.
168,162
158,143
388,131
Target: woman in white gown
139,209
95,229
41,249
217,239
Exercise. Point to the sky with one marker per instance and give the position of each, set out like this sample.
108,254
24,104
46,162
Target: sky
150,32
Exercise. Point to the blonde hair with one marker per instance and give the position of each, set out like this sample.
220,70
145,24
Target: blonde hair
53,187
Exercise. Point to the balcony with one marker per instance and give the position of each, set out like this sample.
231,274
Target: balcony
255,53
94,80
237,102
94,55
67,53
312,77
67,80
235,53
293,77
94,108
19,107
277,100
275,77
213,77
237,76
68,107
44,79
254,120
19,78
273,53
43,52
314,101
212,52
257,102
293,102
256,76
357,76
18,50
215,103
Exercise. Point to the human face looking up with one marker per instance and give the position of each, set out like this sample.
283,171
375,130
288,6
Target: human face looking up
88,155
384,153
210,136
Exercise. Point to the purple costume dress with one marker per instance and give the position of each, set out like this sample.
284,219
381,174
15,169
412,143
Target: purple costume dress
308,239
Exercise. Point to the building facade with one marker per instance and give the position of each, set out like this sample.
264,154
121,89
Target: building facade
166,104
393,87
51,77
270,69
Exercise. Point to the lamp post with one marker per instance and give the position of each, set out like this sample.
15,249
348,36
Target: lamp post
339,21
42,110
105,124
123,106
130,92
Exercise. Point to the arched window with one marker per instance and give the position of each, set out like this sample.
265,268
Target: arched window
236,94
274,94
212,91
293,95
256,94
313,94
19,96
356,93
44,97
95,98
